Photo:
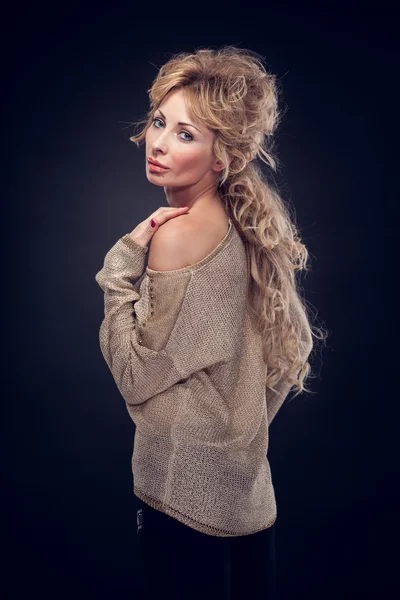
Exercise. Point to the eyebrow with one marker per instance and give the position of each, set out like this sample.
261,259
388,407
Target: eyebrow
180,123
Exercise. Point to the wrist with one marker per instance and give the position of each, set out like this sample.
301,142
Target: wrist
134,243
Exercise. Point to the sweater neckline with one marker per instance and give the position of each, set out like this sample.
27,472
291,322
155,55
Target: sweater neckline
201,262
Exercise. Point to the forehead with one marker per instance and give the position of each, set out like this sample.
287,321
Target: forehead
175,99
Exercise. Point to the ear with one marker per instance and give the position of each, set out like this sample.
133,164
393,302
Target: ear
218,165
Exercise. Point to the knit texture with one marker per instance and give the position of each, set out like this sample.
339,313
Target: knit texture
187,360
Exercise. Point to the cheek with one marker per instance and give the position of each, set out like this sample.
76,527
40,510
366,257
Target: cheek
189,159
181,156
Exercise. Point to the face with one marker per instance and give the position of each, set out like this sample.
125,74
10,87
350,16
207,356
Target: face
185,149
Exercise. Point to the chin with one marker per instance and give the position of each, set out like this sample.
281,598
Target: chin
154,181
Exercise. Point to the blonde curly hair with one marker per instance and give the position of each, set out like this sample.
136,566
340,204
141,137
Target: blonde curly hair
231,92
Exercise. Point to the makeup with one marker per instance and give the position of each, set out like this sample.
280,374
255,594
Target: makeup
156,169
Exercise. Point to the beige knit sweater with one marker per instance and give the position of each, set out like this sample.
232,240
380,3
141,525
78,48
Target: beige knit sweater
188,363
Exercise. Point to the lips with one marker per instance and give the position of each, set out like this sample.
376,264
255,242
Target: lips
156,163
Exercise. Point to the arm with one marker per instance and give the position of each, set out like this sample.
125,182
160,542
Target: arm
275,400
186,337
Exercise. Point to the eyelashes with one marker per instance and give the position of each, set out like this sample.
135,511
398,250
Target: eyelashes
156,126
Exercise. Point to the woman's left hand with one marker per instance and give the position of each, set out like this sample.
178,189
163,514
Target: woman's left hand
143,233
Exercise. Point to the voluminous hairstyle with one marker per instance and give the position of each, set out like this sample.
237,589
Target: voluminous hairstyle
230,91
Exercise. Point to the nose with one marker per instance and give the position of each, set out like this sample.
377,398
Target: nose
159,140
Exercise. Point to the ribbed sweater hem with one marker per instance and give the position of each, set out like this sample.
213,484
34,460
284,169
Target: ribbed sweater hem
186,520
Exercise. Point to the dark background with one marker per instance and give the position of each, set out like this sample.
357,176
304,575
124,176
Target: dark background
74,77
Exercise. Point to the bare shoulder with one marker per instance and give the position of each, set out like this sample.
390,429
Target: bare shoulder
185,240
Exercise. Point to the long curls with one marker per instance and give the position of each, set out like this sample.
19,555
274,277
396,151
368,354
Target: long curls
230,91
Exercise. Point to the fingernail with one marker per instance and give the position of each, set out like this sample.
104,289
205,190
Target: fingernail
152,223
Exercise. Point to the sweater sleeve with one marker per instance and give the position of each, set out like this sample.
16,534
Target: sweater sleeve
276,399
154,333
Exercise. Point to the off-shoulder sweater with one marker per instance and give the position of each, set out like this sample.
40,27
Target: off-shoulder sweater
188,363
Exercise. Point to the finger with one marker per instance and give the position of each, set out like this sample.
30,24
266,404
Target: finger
177,212
167,212
173,208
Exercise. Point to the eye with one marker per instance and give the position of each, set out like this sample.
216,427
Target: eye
187,133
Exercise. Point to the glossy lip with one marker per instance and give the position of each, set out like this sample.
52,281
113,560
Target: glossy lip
155,162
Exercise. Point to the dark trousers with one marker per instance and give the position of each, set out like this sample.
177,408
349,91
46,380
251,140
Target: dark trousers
176,561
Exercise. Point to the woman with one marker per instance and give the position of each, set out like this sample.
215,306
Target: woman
209,340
